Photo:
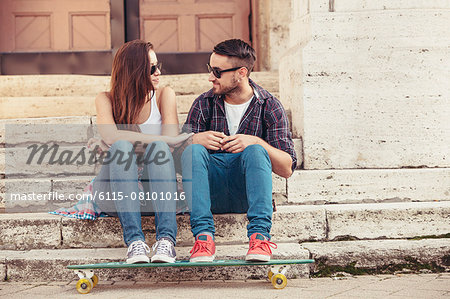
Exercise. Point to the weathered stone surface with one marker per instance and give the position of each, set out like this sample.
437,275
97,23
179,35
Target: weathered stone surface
400,118
2,269
278,184
53,85
90,86
21,195
50,106
17,166
24,135
416,25
43,122
388,220
320,6
2,162
289,224
298,147
357,5
27,266
72,187
368,185
299,223
27,231
379,253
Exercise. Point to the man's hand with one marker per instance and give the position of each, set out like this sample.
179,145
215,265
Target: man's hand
209,139
237,143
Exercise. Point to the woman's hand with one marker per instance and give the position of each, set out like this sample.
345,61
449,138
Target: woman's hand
177,140
94,143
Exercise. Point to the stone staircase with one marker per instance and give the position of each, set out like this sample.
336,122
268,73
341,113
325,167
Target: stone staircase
336,216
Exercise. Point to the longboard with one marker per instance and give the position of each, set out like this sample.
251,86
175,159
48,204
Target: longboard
277,271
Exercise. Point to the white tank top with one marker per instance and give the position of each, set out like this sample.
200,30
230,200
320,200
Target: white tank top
152,125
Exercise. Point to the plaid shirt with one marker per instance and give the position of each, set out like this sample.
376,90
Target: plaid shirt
265,117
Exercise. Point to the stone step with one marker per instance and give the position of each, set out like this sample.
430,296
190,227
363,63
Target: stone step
407,26
368,186
378,133
25,231
29,265
331,258
306,187
71,190
90,86
67,106
379,256
375,63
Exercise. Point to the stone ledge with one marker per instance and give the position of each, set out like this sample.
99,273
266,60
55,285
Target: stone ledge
376,255
368,185
306,223
73,186
47,265
25,231
366,25
83,85
388,220
351,5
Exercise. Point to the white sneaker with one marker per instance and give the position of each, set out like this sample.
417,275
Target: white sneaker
163,251
137,253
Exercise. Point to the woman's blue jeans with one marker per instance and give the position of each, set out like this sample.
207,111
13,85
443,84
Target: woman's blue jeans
121,181
228,183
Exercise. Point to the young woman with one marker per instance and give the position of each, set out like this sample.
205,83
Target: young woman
133,178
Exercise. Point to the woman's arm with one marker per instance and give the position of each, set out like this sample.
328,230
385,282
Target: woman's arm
168,108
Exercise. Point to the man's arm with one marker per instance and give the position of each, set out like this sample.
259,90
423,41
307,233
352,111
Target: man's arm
277,141
281,161
196,122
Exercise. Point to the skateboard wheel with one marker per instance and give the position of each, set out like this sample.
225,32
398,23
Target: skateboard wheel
270,274
94,279
84,285
279,281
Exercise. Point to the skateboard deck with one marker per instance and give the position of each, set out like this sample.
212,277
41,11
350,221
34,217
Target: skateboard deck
276,273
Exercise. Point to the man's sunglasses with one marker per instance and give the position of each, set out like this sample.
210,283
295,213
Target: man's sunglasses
154,67
218,72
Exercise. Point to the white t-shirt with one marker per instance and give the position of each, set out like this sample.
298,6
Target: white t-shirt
234,115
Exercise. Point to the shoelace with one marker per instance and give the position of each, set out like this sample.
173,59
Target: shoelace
264,244
200,246
162,247
138,248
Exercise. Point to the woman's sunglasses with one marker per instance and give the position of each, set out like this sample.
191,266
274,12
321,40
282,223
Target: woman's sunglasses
154,67
218,72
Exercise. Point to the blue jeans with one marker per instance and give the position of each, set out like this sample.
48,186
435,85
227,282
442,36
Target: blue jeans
121,180
228,183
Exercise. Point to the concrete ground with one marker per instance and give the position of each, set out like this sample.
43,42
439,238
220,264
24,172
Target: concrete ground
376,286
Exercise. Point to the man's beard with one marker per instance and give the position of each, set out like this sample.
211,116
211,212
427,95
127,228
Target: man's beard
233,88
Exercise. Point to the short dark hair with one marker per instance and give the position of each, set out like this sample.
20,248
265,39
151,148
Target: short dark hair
241,52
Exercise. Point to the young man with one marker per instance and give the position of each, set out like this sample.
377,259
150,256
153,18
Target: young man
241,134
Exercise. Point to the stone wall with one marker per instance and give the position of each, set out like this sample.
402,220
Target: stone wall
367,83
272,29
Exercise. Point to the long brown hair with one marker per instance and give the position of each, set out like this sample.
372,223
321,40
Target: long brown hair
130,81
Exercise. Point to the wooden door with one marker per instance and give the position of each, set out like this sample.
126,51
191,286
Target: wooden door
193,25
54,25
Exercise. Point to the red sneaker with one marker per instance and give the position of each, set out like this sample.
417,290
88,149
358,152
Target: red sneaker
259,249
203,250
